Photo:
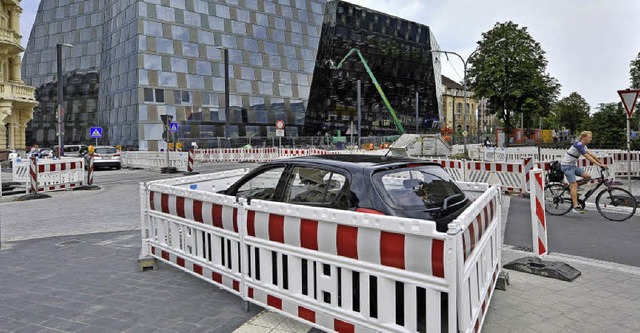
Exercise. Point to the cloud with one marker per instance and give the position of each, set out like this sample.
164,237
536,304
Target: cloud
588,43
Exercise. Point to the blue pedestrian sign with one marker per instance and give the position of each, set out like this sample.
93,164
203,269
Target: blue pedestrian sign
95,132
173,127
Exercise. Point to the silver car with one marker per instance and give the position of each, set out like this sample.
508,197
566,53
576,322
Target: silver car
105,157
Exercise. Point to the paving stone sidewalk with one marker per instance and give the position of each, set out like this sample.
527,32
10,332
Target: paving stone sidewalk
605,298
91,283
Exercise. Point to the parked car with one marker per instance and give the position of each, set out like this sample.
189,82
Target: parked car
40,153
104,157
363,183
73,150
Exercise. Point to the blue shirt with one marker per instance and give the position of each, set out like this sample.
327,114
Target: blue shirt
573,154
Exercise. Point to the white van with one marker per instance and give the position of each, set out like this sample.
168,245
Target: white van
73,150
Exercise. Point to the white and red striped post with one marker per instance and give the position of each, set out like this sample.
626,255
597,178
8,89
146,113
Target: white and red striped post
33,173
90,176
527,165
190,163
538,218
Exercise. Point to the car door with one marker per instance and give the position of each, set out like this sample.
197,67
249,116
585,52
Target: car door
318,186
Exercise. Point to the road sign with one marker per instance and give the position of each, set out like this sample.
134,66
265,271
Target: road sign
279,132
95,132
629,98
280,124
465,133
173,127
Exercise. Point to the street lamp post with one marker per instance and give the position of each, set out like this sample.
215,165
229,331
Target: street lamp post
464,91
227,130
60,110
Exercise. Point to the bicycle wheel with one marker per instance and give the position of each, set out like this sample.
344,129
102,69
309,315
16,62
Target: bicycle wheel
554,202
616,204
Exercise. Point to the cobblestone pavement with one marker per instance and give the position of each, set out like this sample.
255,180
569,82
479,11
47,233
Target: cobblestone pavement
91,283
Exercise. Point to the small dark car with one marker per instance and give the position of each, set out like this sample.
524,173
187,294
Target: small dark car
365,183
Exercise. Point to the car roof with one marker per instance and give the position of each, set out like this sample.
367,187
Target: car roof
358,161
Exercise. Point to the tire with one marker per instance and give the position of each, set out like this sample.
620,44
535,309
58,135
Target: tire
554,205
616,204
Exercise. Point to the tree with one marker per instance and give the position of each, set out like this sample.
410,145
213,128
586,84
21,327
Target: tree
635,72
509,68
609,126
572,111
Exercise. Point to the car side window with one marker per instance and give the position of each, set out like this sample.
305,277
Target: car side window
317,187
262,186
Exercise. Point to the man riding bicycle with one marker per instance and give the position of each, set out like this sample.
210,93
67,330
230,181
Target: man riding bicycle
569,167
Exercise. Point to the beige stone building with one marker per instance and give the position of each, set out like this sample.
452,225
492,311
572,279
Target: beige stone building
17,100
453,101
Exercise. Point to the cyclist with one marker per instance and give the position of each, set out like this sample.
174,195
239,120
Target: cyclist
569,167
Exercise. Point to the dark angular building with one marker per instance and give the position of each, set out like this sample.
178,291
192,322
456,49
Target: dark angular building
135,61
396,51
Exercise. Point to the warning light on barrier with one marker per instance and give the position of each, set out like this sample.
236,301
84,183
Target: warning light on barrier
90,149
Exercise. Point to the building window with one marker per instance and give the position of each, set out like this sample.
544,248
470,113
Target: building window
459,108
181,97
154,95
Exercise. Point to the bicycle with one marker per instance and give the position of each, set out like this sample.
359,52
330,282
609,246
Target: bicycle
613,203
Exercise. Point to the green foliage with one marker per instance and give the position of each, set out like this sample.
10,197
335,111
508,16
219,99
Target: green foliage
635,72
509,69
609,125
572,112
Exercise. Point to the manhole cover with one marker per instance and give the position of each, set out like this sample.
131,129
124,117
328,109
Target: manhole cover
71,242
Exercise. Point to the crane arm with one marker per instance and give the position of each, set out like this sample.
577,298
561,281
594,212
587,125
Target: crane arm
376,84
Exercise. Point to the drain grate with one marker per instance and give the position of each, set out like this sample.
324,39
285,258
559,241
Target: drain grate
71,242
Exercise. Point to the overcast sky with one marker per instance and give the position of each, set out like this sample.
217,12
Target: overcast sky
588,43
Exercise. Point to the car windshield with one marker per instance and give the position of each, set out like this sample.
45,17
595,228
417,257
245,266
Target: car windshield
418,188
105,150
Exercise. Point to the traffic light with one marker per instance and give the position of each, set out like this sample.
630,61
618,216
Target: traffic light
165,133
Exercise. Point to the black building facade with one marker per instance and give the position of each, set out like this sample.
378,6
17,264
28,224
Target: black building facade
135,61
396,51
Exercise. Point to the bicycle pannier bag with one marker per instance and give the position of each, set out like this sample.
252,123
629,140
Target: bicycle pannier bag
555,174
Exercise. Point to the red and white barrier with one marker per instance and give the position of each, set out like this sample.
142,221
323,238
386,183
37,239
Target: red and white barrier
190,162
538,218
333,269
90,175
627,162
46,175
455,168
33,175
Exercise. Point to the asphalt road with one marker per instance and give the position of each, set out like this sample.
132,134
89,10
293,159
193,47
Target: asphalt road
587,235
115,207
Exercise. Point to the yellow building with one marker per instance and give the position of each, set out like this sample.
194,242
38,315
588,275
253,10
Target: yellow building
453,101
17,100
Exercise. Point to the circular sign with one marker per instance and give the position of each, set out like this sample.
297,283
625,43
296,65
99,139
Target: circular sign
280,124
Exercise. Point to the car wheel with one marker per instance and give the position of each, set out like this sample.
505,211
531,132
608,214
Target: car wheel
118,167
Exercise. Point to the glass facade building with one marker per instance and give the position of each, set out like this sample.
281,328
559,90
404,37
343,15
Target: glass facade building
396,51
151,58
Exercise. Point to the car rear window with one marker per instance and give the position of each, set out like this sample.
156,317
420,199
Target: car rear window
106,150
418,188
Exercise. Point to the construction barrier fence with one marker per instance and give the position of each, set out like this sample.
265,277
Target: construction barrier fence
336,270
46,175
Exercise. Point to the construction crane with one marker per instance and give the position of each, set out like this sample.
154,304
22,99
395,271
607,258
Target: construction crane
396,121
